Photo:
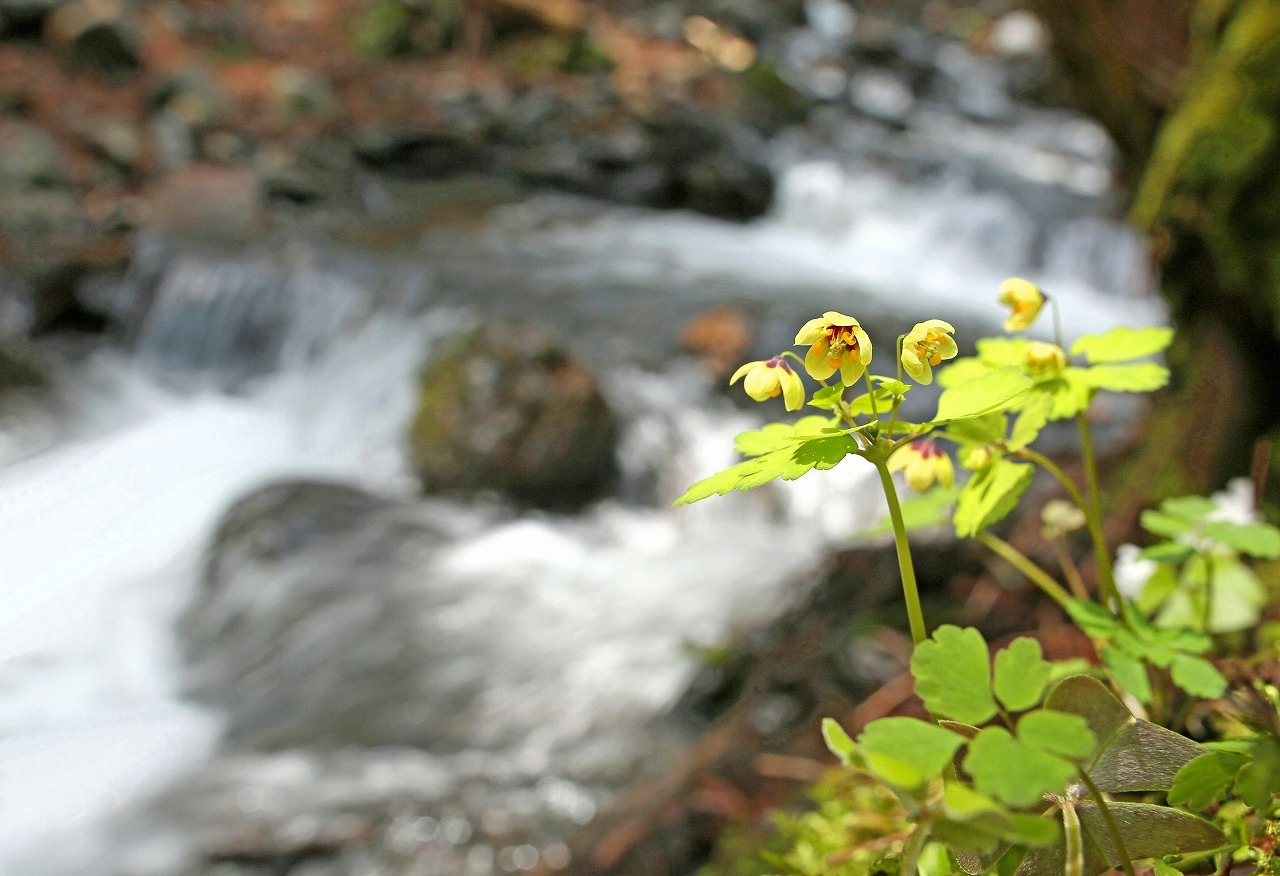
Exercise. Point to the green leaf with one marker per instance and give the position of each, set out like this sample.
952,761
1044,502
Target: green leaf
1021,675
789,462
1259,780
1057,732
1142,757
1129,672
776,436
920,511
1090,699
827,397
1139,377
1012,771
1150,831
1122,344
1093,619
1238,596
1033,415
1255,539
1166,525
1197,677
838,741
986,429
907,752
1068,392
1188,507
953,676
990,495
982,395
1172,552
999,352
1205,779
960,371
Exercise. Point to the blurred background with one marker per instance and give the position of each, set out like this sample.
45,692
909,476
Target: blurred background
352,352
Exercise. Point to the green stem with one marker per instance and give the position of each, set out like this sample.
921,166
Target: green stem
1106,578
911,851
1073,857
871,394
1208,590
1057,319
910,592
1024,564
1105,811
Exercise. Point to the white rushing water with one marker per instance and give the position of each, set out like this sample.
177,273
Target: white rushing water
101,535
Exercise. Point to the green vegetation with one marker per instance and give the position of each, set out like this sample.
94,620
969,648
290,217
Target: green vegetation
1020,770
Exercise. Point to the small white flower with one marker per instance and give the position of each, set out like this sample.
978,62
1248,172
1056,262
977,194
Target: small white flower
1236,504
1132,572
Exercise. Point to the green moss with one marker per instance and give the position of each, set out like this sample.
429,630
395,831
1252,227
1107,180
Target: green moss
1212,173
856,828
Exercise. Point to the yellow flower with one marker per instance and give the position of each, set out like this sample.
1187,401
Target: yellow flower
838,344
770,377
1041,358
924,464
925,346
1025,299
979,458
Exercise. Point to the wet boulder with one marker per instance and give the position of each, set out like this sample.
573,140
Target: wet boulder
309,625
509,410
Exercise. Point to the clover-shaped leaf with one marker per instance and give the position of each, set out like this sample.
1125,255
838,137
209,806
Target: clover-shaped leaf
1206,779
906,752
1130,755
953,675
1021,674
1147,832
1014,771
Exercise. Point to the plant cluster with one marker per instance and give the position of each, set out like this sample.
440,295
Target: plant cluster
1023,768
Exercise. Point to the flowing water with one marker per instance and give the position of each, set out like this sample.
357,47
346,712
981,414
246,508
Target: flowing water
296,358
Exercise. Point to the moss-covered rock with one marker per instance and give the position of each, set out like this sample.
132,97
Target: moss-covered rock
510,411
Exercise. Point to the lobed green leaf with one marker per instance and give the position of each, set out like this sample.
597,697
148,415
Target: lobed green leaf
907,752
990,392
1206,779
1021,675
1138,377
1014,772
953,676
1122,344
990,495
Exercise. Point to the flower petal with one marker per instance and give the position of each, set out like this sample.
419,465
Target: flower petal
743,370
835,317
864,344
792,389
812,331
762,382
817,363
851,370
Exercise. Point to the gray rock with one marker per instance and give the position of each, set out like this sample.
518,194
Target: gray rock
99,35
28,155
509,410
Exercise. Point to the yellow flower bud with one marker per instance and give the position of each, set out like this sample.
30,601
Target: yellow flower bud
924,464
1041,358
978,458
768,378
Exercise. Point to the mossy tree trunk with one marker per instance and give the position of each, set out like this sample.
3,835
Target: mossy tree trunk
1208,193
